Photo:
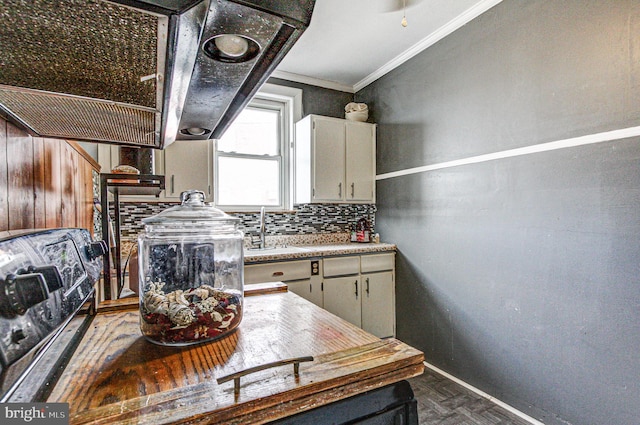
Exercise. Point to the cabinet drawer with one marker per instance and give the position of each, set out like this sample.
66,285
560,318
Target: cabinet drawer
275,272
377,262
341,266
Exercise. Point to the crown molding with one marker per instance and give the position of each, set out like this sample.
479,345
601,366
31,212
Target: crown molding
457,22
460,20
297,78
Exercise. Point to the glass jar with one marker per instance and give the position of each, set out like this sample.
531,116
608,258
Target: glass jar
191,273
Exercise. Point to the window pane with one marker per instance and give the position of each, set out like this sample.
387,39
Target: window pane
244,181
255,132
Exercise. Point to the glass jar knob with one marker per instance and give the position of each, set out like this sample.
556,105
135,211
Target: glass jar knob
192,197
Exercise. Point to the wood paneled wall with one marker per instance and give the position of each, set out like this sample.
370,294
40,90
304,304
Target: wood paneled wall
44,183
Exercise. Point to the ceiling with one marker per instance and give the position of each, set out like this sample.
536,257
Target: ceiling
350,44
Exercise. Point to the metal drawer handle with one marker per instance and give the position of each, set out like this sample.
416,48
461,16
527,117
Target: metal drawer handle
278,274
236,376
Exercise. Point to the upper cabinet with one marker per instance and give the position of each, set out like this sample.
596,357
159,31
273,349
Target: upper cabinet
334,160
186,165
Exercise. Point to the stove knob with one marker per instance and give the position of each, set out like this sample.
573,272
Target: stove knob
51,275
17,335
96,249
24,291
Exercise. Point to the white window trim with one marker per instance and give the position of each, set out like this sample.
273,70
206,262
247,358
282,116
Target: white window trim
292,98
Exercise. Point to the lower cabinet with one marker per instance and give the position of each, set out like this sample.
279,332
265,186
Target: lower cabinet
302,276
309,289
361,290
342,297
378,303
357,288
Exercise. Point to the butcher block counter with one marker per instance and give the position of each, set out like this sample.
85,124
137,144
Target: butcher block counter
117,377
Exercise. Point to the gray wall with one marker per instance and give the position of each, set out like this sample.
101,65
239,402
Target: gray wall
319,100
521,275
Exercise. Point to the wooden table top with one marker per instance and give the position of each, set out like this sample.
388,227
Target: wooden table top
117,377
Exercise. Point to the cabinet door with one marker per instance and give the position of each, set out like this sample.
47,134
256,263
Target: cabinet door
342,297
187,165
329,159
360,161
108,157
309,289
378,304
277,271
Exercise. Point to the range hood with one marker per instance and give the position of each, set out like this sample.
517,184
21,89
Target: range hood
139,72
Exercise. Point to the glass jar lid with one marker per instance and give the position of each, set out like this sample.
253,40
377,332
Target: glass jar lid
193,211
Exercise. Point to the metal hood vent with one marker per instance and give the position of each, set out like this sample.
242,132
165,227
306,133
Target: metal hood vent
139,73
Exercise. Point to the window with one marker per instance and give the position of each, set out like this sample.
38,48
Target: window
252,157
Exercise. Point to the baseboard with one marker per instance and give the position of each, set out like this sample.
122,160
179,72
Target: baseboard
485,395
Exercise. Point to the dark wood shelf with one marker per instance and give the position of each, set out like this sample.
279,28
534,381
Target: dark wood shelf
138,190
121,184
134,184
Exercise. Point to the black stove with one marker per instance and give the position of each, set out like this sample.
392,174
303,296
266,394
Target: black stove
47,297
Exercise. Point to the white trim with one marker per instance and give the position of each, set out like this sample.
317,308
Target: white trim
293,98
460,20
290,76
267,98
481,393
287,94
542,147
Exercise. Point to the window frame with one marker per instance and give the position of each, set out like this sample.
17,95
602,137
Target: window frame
289,101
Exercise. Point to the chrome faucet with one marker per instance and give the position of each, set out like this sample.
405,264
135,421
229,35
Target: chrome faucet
261,243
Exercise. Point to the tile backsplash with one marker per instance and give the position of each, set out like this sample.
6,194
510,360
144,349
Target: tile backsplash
306,219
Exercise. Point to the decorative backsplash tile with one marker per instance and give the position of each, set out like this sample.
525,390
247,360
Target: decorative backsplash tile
97,217
306,219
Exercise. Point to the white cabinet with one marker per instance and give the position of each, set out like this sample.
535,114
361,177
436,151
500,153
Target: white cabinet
108,157
298,275
342,291
358,288
362,291
309,289
277,271
342,297
334,160
378,303
360,162
187,165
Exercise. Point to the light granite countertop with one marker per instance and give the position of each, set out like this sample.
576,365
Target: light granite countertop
295,247
294,252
